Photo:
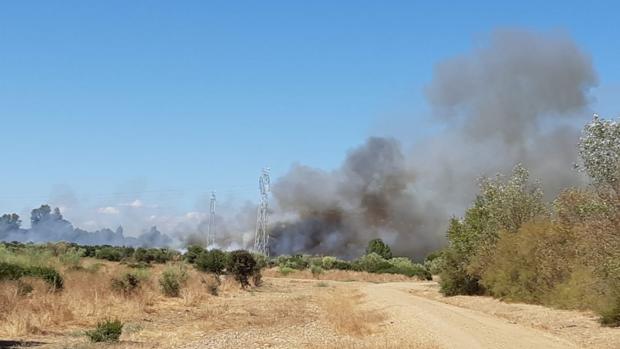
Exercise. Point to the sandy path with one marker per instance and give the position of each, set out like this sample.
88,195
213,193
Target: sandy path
447,326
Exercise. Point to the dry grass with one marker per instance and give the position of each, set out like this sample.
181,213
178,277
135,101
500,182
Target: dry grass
87,299
340,275
344,312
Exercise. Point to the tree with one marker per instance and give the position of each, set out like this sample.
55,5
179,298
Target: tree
242,265
379,247
599,148
502,205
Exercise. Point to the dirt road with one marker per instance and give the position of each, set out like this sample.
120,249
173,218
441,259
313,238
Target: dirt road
442,325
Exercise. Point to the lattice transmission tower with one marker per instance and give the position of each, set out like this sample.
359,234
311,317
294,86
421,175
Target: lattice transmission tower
261,237
211,227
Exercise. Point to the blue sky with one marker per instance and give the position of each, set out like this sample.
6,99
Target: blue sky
105,103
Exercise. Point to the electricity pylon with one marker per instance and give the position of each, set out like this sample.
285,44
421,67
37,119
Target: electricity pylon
211,227
261,237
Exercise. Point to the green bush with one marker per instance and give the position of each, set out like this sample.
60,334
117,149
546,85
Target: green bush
125,284
241,265
454,279
297,262
316,271
405,266
434,263
171,281
285,270
213,261
193,251
106,331
154,255
9,271
372,263
109,253
328,262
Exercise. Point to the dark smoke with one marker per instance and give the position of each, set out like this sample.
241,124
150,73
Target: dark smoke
511,101
338,212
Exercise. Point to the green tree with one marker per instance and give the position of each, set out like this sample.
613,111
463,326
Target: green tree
379,247
599,148
241,264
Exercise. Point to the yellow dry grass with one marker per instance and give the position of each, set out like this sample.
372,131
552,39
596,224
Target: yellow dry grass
87,299
343,311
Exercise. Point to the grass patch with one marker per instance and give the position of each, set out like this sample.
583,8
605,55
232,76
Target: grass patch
106,331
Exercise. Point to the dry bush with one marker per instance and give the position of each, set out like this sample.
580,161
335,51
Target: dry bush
344,312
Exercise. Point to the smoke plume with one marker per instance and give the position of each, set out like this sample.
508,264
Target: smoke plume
511,101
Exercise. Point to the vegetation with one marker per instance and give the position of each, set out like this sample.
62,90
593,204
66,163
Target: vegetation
171,281
126,284
512,245
10,271
242,265
213,261
106,331
379,247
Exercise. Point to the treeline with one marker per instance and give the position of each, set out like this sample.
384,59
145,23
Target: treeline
378,259
126,254
513,245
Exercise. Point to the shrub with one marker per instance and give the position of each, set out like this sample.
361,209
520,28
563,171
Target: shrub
154,255
342,265
285,270
297,262
50,275
106,331
610,316
328,262
434,263
72,257
527,265
405,266
126,284
171,281
109,253
241,265
213,261
372,263
10,271
454,279
316,271
193,251
379,247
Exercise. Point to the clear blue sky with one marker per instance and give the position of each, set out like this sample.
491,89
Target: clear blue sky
177,98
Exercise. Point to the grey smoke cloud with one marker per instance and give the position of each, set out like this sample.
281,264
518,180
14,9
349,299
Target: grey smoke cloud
509,101
508,87
338,212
